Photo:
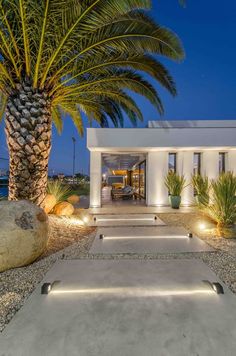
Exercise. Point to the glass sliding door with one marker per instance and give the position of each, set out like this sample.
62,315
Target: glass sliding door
142,179
139,180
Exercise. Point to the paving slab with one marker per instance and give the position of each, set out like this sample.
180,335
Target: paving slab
126,220
161,239
125,308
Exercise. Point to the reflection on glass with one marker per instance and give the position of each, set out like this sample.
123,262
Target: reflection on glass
222,162
172,162
197,164
139,180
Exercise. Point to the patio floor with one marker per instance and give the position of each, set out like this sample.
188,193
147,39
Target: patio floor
125,308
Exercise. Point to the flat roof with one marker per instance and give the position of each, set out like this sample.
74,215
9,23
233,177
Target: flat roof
146,139
192,123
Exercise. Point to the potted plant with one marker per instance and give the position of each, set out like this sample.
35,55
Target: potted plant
175,184
201,188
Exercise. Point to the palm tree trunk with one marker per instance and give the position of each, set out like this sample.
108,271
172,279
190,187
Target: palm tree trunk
28,130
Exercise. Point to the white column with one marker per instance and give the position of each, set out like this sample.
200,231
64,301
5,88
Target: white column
95,179
185,167
232,161
157,169
210,164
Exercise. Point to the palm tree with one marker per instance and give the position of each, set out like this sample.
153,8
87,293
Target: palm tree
68,57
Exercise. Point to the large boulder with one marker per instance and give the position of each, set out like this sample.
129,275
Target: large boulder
63,209
23,233
49,202
73,199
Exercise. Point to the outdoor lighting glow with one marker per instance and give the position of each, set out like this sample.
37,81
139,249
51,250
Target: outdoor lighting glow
202,226
124,219
137,292
85,219
144,237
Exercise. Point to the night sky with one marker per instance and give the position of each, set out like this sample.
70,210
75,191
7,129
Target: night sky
205,80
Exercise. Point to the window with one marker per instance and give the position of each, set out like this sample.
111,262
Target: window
172,162
197,164
222,156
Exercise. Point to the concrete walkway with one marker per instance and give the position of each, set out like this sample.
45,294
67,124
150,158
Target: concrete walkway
160,239
125,308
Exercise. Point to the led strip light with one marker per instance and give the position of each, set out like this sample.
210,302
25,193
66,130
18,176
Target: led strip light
49,288
155,237
124,219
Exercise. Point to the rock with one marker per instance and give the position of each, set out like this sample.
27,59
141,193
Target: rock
49,203
63,209
23,233
73,199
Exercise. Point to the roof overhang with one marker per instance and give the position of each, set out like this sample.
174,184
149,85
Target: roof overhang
147,139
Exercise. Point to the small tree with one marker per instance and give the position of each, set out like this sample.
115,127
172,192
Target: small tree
63,58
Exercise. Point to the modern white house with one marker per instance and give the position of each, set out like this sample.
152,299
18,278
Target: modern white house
188,147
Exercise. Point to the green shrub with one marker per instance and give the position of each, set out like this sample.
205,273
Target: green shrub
59,190
222,207
201,186
175,183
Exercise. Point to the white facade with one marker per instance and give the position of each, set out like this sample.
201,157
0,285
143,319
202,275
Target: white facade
209,138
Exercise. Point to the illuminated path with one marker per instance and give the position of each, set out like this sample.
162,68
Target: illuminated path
125,308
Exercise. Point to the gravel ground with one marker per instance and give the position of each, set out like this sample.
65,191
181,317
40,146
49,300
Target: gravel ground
69,241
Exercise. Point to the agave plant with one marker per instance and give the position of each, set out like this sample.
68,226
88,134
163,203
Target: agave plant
201,186
222,208
63,58
59,190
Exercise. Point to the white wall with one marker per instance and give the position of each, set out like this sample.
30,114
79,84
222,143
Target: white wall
232,161
95,179
157,169
210,164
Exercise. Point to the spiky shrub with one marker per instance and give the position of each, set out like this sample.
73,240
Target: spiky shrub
59,190
175,183
201,186
222,208
60,58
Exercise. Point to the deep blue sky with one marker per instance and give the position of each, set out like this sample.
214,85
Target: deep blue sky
205,80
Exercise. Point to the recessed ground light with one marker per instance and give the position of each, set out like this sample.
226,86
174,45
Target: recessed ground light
94,219
190,235
217,287
101,236
47,287
155,218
